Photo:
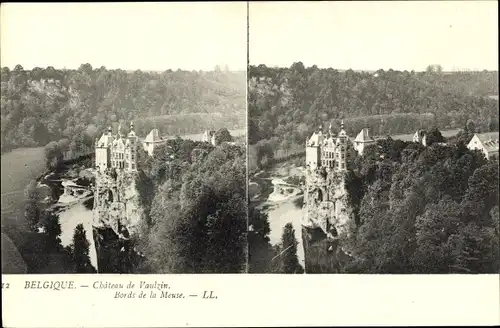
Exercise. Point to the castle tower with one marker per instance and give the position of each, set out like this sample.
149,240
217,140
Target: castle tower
152,141
341,149
313,150
103,151
131,150
328,150
363,139
118,151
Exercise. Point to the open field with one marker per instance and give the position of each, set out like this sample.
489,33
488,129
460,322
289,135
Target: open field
409,137
19,167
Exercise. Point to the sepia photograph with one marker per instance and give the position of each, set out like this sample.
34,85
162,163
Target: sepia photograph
175,164
124,138
373,137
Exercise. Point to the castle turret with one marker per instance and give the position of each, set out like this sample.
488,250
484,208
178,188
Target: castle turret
120,130
131,150
341,149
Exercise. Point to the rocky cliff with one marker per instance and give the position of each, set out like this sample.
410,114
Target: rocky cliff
116,203
117,216
327,218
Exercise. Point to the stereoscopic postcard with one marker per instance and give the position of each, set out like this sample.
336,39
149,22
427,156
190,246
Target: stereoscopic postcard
250,164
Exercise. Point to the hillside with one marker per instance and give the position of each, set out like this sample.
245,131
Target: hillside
285,105
47,104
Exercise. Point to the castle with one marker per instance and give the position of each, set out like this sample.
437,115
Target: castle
327,150
115,151
334,151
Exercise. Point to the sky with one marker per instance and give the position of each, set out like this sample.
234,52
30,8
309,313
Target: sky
129,36
402,35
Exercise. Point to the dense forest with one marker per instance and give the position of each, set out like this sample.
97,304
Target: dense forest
47,104
285,105
196,208
424,210
417,209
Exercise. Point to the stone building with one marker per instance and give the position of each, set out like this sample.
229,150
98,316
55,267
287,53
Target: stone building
420,137
152,141
209,136
487,143
116,151
329,150
363,139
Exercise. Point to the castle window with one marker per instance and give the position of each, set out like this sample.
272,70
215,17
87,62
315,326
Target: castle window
320,195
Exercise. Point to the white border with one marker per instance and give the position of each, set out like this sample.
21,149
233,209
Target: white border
259,300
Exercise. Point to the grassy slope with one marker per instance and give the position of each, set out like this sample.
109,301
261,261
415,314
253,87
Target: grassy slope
18,168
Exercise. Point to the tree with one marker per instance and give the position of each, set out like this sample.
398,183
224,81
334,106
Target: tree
289,245
222,135
53,155
434,136
80,251
52,229
32,214
260,251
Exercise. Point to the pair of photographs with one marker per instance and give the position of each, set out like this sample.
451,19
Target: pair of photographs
327,153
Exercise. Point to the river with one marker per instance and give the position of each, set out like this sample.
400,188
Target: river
280,203
199,136
72,210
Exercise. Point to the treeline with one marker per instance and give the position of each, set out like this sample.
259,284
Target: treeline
196,208
48,104
285,105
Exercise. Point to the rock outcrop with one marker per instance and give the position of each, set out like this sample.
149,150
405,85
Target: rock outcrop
116,203
117,216
326,220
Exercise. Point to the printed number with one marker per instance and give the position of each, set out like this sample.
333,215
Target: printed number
5,285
